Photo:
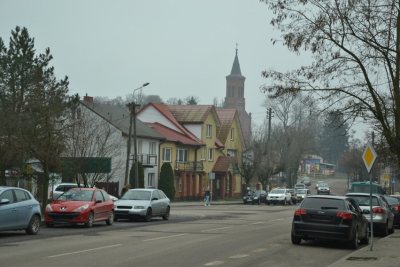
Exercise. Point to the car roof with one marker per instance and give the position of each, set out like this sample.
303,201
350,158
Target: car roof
85,188
361,194
329,196
142,189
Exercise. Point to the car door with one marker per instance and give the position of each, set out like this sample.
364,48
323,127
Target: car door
358,215
98,208
388,211
156,203
25,207
8,211
163,201
108,205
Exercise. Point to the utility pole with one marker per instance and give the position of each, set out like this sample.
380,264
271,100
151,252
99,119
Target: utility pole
269,116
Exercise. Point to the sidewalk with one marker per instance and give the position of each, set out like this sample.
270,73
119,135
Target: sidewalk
385,253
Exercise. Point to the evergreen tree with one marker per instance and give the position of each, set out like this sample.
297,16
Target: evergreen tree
140,173
334,141
166,182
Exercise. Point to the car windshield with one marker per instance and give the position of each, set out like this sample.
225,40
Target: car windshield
306,179
301,191
77,195
250,193
322,203
364,200
136,195
323,185
392,200
277,191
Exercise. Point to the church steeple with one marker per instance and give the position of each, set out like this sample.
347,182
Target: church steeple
235,72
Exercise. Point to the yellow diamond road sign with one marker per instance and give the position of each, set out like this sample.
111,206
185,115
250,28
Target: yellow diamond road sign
369,156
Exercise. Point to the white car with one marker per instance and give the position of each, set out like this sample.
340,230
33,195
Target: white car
280,195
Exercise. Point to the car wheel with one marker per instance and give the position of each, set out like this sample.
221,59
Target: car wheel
90,219
110,219
166,215
148,216
391,231
385,231
34,225
365,240
295,240
284,202
258,202
353,244
267,203
49,225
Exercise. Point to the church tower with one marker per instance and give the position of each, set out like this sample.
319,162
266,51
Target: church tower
235,97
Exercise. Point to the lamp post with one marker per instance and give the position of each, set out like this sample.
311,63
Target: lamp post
132,108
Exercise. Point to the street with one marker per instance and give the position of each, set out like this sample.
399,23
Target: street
223,234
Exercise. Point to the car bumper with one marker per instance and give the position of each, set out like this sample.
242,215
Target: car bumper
275,201
319,231
323,192
132,213
66,217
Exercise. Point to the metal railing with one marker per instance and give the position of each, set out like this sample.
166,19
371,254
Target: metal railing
189,166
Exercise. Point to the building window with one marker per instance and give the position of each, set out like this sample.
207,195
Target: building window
233,91
152,148
210,154
166,157
208,131
181,155
151,179
203,153
140,147
232,132
231,153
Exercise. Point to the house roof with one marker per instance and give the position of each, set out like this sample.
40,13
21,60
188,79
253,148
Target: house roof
174,136
223,163
218,143
166,112
227,116
119,117
196,114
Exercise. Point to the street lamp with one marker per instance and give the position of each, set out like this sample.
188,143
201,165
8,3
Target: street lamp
132,108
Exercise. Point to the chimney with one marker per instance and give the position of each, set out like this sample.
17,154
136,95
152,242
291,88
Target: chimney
88,98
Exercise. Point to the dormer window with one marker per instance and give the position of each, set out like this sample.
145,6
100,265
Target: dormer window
232,133
208,131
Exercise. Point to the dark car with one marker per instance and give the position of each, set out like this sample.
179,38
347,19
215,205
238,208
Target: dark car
394,204
255,197
330,218
306,181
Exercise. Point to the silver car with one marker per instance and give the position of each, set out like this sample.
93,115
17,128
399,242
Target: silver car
323,188
19,210
382,216
302,194
142,203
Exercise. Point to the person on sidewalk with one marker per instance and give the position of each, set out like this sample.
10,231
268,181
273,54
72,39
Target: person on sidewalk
207,198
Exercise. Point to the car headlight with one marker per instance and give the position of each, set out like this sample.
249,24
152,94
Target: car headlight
244,197
255,197
82,207
48,207
138,207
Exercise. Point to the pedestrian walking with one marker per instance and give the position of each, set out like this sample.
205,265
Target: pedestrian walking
207,197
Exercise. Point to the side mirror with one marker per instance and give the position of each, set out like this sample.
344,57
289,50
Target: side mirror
4,201
99,201
366,212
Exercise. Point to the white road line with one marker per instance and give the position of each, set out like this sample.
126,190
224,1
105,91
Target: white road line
258,250
216,229
164,237
214,263
239,256
82,251
257,223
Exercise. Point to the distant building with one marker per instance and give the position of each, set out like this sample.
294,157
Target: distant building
235,98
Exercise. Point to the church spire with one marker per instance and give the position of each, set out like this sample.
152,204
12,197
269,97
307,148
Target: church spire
235,72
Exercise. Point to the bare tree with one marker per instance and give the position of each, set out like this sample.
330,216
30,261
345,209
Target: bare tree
355,47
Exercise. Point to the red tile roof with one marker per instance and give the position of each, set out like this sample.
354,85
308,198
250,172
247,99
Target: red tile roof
191,113
172,135
226,116
223,163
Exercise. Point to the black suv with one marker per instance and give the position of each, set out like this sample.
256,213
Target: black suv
255,197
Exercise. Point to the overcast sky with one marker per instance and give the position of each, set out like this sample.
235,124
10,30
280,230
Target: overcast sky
181,47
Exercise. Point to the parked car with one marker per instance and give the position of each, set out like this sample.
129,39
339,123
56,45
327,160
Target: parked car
142,203
306,181
294,196
279,196
81,206
300,186
394,205
323,188
383,218
255,197
317,183
113,198
19,210
330,217
61,188
302,194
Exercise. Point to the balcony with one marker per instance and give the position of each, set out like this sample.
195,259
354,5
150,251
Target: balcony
147,160
189,166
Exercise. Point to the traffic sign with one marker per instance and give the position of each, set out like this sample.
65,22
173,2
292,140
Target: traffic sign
394,180
369,156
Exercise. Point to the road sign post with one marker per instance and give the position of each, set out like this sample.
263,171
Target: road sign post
211,176
369,157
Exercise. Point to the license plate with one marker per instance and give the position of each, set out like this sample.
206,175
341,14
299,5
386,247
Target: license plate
249,200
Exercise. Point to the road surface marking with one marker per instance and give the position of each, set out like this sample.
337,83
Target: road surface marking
216,229
164,237
258,250
82,251
239,256
257,223
214,263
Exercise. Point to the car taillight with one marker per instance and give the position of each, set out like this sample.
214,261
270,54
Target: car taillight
396,208
299,212
378,210
344,215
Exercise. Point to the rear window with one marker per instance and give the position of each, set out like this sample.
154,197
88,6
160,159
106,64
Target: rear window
322,203
392,200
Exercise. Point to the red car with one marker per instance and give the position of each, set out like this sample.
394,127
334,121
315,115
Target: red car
82,206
